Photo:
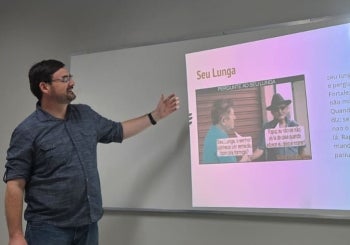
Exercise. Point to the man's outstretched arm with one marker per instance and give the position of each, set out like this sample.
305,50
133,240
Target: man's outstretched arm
164,108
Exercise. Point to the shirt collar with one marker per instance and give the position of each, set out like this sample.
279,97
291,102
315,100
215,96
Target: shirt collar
45,116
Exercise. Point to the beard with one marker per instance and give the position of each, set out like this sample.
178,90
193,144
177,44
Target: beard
71,96
65,98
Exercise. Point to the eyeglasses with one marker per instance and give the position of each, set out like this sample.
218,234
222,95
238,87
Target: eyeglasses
64,79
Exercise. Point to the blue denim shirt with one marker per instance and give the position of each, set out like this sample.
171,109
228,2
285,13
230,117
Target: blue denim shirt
58,160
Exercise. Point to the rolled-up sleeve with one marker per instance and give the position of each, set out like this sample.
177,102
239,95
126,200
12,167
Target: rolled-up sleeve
19,156
107,130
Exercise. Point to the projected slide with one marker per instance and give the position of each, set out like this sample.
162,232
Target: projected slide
271,122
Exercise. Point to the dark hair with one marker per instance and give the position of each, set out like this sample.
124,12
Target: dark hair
42,72
220,107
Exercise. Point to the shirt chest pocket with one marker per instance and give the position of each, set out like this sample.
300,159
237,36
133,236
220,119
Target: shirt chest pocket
51,156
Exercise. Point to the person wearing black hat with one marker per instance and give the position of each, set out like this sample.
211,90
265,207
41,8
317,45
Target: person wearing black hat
280,110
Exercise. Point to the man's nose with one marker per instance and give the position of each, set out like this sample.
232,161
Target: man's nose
71,82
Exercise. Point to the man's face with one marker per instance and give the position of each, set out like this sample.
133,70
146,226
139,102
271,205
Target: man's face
61,87
228,120
280,113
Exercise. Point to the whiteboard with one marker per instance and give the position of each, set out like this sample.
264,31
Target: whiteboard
152,171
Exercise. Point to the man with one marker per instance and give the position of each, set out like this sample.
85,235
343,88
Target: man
52,159
280,110
223,122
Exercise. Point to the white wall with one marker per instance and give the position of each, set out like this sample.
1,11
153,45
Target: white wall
35,30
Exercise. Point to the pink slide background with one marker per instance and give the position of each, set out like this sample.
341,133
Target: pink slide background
320,183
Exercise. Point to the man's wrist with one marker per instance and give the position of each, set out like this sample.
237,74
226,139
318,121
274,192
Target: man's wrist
16,234
151,119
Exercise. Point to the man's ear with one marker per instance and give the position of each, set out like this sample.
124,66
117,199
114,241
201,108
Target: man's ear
44,87
222,120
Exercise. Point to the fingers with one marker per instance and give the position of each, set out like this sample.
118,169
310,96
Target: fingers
169,98
166,106
172,101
